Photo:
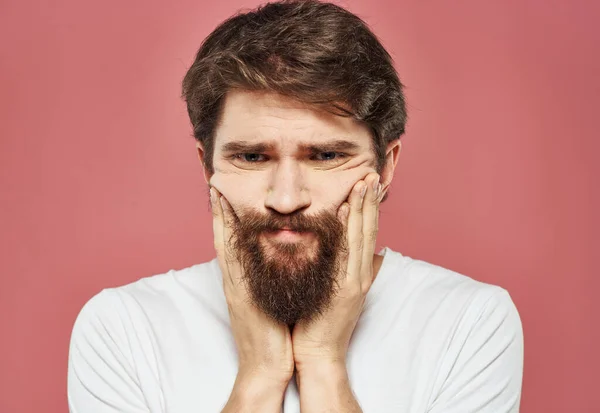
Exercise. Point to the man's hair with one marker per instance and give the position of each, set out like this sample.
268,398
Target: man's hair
315,52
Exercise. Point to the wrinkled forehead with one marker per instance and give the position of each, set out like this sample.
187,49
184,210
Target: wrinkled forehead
276,122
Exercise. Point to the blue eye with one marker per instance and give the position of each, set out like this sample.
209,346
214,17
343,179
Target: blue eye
251,157
329,156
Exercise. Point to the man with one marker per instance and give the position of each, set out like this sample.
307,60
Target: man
297,112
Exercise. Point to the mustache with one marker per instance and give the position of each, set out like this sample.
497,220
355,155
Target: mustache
255,221
272,222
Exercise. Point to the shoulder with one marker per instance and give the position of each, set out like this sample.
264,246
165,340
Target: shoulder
470,330
113,351
125,308
440,296
173,285
433,282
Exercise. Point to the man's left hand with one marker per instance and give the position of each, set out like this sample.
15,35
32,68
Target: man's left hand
323,341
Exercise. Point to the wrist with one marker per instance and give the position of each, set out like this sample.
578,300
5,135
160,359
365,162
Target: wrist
320,365
254,392
256,379
325,387
322,372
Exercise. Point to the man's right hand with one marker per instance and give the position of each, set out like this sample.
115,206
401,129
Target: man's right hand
266,360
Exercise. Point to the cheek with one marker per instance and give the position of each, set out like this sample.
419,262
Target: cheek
327,189
333,189
239,189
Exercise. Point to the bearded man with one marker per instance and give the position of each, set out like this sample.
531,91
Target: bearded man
297,112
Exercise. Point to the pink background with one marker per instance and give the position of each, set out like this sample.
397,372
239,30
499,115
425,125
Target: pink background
100,185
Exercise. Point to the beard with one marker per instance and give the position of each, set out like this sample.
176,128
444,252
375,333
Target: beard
289,281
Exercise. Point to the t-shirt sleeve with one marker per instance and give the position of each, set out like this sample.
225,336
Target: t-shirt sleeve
101,376
487,370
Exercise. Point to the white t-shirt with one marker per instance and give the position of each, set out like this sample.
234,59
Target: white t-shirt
429,340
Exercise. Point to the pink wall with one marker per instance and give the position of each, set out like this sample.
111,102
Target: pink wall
100,186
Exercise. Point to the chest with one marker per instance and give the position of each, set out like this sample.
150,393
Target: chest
386,375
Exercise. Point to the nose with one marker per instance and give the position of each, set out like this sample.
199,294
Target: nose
287,191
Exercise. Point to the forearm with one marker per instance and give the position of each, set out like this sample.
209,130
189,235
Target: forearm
326,388
255,394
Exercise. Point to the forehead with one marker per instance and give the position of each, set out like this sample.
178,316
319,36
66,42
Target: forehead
258,116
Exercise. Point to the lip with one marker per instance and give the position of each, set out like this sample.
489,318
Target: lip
287,235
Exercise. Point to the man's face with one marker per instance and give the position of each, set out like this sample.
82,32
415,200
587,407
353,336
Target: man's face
286,168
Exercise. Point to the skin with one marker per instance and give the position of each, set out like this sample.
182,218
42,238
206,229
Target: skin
286,177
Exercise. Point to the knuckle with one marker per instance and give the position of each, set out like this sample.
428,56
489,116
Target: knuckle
229,259
359,245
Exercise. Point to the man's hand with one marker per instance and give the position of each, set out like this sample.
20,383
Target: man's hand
326,339
264,346
320,346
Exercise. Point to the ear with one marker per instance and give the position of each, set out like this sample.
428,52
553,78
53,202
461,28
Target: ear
201,153
392,153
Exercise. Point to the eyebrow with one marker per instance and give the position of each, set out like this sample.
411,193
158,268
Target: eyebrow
332,146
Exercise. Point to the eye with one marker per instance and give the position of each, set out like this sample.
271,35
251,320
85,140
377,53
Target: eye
329,156
251,157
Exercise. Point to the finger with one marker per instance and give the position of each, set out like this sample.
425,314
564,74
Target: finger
355,235
229,239
227,225
343,215
382,191
218,230
370,225
217,213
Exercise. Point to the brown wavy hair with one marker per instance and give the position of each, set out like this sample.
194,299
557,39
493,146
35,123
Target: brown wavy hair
315,52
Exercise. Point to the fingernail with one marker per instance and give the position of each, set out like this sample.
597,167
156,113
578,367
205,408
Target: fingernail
344,211
363,191
213,196
223,204
376,184
379,188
